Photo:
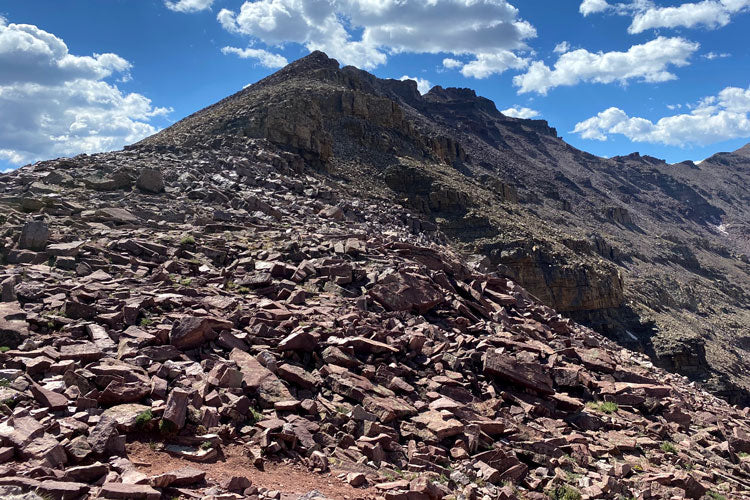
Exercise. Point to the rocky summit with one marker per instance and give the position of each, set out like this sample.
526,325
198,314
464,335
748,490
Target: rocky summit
653,255
317,288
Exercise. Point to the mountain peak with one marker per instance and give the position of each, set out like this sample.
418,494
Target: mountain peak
744,151
313,61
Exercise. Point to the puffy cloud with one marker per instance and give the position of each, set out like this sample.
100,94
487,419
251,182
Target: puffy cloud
189,6
520,112
452,63
488,64
708,13
714,119
423,85
29,54
562,48
55,103
593,6
265,58
365,32
646,15
647,62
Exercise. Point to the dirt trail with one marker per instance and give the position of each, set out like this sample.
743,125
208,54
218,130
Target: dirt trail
289,479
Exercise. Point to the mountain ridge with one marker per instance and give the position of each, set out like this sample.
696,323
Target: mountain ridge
564,223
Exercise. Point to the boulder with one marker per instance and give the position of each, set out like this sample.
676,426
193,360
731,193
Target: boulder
190,332
531,375
259,380
150,180
34,236
407,292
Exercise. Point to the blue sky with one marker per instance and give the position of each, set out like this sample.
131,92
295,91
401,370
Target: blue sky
666,78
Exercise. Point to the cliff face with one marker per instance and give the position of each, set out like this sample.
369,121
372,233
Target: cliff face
643,250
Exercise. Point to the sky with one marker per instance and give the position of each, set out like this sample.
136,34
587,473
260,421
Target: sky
669,79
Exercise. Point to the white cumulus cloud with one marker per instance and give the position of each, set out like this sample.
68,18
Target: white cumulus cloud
562,48
709,14
648,62
423,85
265,58
520,112
593,6
451,63
489,64
54,103
714,119
647,15
189,6
364,32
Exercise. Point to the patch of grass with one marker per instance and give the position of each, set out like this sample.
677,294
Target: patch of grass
146,322
668,447
187,240
715,496
144,418
390,476
743,454
564,492
4,382
167,427
9,402
572,476
607,407
342,409
4,348
186,281
206,445
255,416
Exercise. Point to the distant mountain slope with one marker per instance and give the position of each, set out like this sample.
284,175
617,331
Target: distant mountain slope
653,255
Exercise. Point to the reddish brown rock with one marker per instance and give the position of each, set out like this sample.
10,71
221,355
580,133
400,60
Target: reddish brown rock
190,332
407,292
531,375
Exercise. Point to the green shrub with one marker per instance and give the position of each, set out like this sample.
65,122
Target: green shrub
167,427
187,240
255,416
668,447
143,418
565,492
607,407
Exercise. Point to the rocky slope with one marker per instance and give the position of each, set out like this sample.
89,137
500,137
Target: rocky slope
653,255
222,302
